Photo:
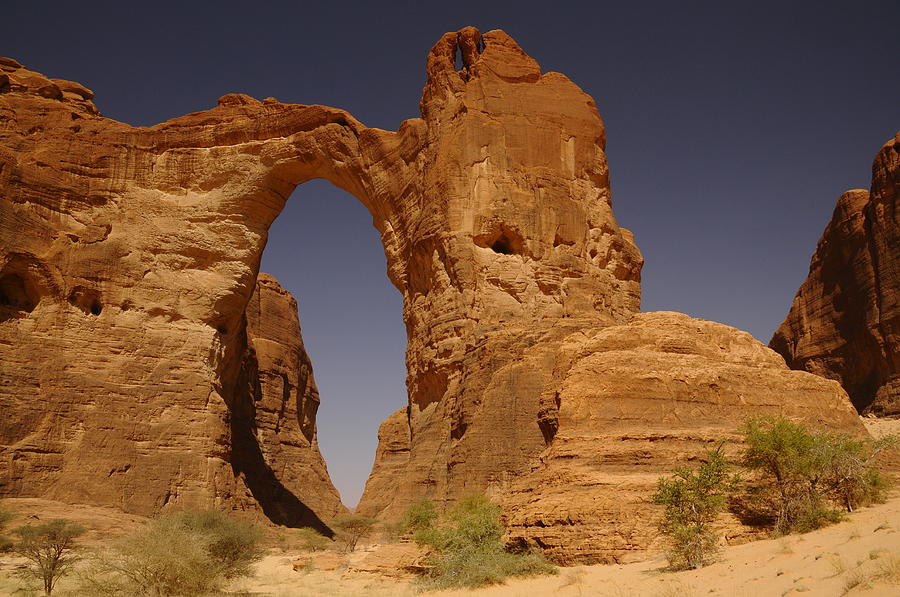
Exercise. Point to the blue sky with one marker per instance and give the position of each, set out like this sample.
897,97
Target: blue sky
732,128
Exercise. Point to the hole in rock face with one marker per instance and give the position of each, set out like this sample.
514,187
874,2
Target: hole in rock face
502,240
351,327
86,299
15,294
501,245
459,60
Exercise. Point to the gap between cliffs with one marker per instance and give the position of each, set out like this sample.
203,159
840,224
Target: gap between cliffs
323,249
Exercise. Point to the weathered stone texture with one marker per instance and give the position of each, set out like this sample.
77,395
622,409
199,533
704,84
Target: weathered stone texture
281,420
130,254
139,371
844,323
634,402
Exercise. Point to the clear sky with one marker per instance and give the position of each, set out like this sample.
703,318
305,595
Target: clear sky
732,128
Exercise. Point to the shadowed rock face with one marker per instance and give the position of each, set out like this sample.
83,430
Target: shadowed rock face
844,323
139,370
129,256
274,434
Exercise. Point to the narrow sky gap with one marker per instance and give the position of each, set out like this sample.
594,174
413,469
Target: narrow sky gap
353,330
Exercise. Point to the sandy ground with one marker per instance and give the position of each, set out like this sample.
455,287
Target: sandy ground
858,557
845,559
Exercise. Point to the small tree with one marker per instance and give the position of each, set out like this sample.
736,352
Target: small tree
189,553
49,549
467,545
693,499
351,528
310,539
807,477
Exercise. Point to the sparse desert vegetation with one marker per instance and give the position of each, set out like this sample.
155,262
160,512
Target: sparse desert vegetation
467,545
693,499
189,553
778,566
806,479
801,480
48,549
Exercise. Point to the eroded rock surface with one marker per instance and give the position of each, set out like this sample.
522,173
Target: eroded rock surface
129,256
636,401
135,373
844,323
276,434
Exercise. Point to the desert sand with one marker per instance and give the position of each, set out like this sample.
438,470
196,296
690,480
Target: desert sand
845,559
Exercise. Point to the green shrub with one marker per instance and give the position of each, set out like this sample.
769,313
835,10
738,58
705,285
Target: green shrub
693,499
231,543
190,553
468,550
419,516
351,528
310,539
5,542
49,550
806,478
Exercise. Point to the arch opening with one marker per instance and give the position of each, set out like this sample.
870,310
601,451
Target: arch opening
325,251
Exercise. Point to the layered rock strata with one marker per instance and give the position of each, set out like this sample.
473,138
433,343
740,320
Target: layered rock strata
844,323
635,401
275,432
130,256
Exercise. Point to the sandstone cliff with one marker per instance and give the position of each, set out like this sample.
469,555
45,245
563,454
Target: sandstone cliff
130,356
275,434
129,256
844,323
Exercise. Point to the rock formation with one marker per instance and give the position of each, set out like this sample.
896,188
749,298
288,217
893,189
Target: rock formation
130,355
280,456
130,254
844,323
636,401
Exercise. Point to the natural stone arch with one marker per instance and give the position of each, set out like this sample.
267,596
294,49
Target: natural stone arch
175,217
530,373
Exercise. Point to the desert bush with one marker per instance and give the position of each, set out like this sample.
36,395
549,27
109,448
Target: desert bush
232,543
189,553
49,549
310,539
351,528
807,477
693,499
467,547
419,516
5,542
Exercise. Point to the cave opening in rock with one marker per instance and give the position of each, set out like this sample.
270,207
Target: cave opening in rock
15,295
501,245
350,319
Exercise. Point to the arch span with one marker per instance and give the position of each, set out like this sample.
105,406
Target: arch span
495,215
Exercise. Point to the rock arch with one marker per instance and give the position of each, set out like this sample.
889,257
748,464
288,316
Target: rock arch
530,372
156,235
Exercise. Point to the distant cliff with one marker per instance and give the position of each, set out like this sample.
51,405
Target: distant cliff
844,323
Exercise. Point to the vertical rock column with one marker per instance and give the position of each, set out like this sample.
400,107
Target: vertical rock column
844,323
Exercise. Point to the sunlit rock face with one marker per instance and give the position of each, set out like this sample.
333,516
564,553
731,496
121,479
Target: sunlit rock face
844,323
129,256
140,370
